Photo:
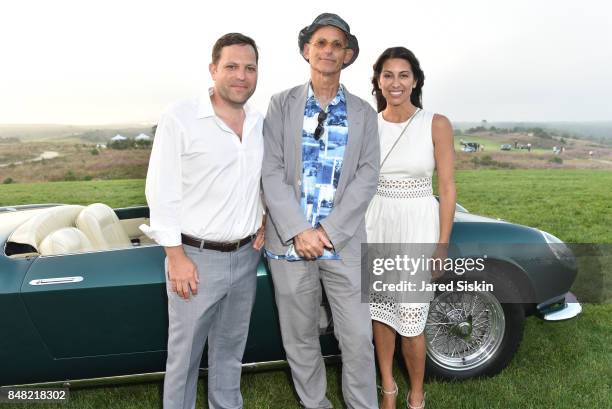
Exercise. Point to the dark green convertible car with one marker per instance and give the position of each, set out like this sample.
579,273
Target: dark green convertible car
83,299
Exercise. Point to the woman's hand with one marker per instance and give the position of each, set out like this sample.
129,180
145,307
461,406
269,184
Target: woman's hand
440,253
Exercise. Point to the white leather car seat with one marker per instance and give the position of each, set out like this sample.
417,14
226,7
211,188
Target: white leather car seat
102,227
65,241
37,228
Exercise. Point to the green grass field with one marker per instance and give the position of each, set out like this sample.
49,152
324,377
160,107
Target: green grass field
559,365
115,193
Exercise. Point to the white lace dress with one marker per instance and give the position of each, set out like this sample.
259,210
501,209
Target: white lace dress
404,210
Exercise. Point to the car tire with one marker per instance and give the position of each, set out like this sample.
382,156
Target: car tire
482,345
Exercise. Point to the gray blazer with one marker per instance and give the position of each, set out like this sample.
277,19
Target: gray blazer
282,172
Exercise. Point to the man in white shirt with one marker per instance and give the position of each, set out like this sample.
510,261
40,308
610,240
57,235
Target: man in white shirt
203,191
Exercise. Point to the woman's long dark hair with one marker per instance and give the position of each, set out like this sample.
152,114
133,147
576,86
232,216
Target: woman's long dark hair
406,54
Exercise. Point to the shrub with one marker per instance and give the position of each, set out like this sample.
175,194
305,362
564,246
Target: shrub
143,144
94,151
70,176
487,161
121,145
475,130
556,159
8,181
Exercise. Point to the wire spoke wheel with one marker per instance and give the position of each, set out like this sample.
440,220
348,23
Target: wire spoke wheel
464,330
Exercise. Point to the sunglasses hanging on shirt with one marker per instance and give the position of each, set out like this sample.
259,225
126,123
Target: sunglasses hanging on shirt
319,131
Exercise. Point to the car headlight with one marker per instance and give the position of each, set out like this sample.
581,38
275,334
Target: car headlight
561,251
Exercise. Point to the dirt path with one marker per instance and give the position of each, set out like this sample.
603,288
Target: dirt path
42,156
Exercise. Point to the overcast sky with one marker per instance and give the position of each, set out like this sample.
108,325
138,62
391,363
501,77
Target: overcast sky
99,62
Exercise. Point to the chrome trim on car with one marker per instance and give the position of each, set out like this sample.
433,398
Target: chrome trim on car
569,309
28,207
156,376
48,256
56,280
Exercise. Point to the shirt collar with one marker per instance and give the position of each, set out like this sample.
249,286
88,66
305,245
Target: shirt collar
206,110
340,97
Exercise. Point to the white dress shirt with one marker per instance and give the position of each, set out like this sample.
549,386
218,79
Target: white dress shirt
202,180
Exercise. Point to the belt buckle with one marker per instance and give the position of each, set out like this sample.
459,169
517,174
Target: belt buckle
237,245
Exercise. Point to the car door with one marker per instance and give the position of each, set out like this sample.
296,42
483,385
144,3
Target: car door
100,302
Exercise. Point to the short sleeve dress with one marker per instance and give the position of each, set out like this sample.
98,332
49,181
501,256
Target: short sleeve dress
404,209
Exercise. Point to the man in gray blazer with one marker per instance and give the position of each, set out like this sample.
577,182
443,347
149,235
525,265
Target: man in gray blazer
320,171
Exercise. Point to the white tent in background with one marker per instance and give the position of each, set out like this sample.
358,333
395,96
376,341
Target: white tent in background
118,138
143,137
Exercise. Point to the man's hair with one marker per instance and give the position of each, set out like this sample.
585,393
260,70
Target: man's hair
232,39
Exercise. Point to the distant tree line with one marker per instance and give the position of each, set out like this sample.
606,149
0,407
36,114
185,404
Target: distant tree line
536,131
129,143
103,135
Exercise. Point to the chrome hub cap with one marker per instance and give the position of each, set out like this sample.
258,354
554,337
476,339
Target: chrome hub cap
464,330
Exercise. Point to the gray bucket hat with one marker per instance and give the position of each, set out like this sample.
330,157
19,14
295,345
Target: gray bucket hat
329,19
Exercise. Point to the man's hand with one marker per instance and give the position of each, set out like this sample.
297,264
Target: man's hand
308,244
182,272
260,235
259,238
324,237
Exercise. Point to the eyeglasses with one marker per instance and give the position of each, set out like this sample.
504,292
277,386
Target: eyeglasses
335,45
321,118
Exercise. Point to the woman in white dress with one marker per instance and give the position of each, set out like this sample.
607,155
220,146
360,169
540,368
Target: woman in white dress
413,142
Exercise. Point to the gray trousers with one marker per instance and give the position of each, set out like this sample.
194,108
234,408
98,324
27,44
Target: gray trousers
221,312
298,297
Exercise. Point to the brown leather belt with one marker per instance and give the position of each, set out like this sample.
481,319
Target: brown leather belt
213,245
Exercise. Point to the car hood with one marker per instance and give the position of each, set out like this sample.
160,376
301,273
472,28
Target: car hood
462,217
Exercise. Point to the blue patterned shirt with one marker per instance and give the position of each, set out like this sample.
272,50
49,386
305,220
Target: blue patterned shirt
322,159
